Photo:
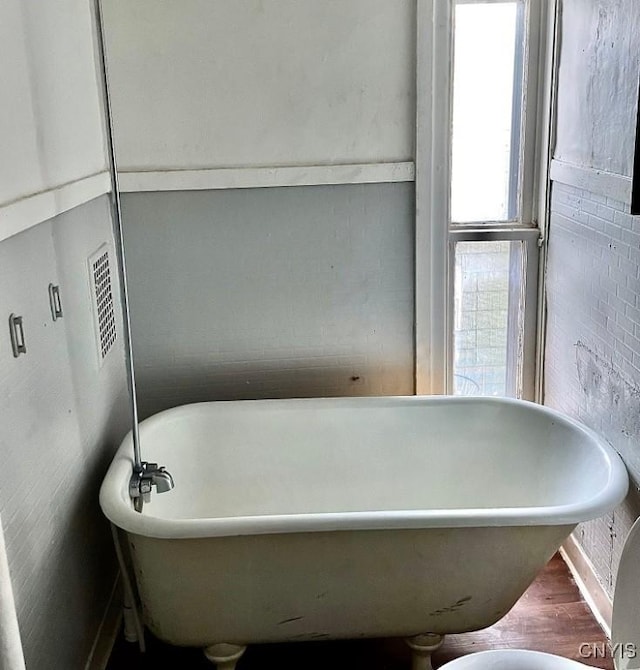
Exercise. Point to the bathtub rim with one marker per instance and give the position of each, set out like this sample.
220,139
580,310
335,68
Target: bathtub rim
117,506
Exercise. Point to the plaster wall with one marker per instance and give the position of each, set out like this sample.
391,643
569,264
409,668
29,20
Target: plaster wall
62,414
598,84
277,292
592,367
250,83
592,358
62,417
50,121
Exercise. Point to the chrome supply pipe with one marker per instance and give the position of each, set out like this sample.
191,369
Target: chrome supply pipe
145,475
117,226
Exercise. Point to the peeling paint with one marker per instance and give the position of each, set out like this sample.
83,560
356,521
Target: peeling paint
606,390
612,545
451,608
291,620
598,83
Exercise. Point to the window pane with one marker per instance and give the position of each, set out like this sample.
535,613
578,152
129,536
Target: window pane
487,103
488,319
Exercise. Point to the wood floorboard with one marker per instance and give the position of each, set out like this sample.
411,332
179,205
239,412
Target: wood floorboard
551,617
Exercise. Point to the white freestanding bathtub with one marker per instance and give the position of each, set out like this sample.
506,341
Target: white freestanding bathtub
352,517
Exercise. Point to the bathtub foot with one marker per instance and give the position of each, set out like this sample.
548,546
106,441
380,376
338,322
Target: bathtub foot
422,646
225,656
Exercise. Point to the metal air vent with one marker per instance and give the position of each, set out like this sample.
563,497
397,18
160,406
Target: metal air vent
102,296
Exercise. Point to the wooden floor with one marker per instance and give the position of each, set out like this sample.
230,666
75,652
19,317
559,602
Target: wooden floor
551,617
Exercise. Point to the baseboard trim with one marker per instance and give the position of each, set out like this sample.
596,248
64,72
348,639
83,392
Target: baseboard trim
590,587
108,631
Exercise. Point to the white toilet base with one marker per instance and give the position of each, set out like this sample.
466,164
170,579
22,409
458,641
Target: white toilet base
513,659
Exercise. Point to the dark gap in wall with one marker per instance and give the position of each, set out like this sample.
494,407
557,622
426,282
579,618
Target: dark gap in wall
635,185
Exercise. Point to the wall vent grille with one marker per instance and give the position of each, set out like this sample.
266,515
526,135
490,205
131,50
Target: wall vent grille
102,293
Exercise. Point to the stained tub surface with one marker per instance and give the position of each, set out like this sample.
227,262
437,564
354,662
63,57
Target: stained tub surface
353,517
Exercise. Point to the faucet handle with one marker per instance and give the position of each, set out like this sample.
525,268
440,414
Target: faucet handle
162,480
145,477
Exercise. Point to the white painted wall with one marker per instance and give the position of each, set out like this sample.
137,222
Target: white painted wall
61,414
212,83
266,292
50,122
62,417
276,292
592,357
592,369
598,84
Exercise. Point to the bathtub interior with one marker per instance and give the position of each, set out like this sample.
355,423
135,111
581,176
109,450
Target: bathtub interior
252,458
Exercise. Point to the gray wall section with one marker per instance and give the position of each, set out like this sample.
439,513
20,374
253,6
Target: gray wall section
62,417
279,292
592,369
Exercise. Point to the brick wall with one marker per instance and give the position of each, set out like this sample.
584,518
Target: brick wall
592,369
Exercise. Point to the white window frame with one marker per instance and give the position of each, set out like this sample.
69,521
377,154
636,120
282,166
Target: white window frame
435,235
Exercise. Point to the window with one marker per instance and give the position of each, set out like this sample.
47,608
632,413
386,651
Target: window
492,235
487,95
488,317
